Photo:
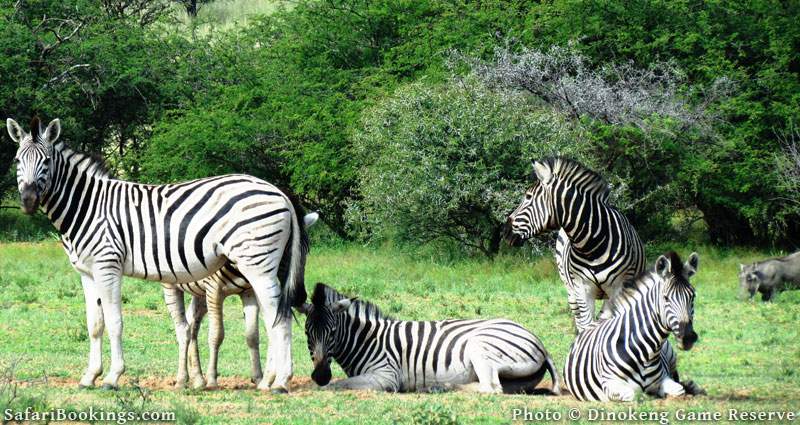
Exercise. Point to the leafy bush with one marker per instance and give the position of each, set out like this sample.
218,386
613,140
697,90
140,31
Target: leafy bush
450,161
752,43
641,123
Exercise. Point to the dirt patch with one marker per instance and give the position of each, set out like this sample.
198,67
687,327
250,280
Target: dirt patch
161,383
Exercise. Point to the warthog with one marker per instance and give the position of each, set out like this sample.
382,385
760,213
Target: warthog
770,276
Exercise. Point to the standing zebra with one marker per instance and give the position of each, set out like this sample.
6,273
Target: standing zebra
597,247
383,354
617,357
208,296
173,233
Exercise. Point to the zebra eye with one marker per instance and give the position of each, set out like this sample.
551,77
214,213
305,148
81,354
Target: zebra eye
528,196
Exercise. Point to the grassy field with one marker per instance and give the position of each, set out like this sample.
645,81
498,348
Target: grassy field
747,358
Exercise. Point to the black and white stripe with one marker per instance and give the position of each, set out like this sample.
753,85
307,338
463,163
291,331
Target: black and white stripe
208,296
597,247
615,358
380,353
175,233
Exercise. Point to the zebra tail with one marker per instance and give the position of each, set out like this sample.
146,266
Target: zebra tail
294,278
556,387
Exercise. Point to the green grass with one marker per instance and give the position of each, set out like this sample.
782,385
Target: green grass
747,356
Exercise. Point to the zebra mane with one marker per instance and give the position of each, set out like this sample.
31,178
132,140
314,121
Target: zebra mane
36,126
324,295
583,177
97,165
643,281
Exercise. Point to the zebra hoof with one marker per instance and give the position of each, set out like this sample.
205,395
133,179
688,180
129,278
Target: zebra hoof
85,387
279,390
109,387
693,389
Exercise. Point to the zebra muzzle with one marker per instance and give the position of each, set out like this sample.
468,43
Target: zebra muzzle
322,373
512,238
29,199
686,336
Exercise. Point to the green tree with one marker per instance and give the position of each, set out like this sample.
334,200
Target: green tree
450,161
732,181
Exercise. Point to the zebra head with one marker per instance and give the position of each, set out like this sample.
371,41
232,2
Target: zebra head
677,296
33,160
749,279
535,214
322,320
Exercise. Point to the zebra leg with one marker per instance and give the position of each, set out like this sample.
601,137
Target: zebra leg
618,390
194,317
485,369
95,327
582,309
607,310
216,332
108,282
279,351
250,307
368,381
173,297
670,388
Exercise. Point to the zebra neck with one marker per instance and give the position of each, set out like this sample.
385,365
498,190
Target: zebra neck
361,343
75,180
585,221
640,316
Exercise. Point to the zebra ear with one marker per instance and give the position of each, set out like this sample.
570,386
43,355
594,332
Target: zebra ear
543,172
14,130
741,267
662,266
341,305
691,265
52,131
305,309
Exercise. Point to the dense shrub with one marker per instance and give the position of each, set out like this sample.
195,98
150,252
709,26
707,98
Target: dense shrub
753,43
451,161
640,123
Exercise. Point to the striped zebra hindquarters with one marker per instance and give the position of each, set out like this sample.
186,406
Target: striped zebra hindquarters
600,365
380,353
208,296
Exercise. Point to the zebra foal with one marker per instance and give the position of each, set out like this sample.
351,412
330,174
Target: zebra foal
615,358
383,354
208,296
174,233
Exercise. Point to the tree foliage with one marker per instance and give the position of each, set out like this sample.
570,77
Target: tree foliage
451,161
290,96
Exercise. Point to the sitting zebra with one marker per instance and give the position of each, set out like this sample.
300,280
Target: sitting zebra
597,247
617,357
383,354
208,296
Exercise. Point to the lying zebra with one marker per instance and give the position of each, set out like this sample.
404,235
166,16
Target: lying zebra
770,276
617,357
383,354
